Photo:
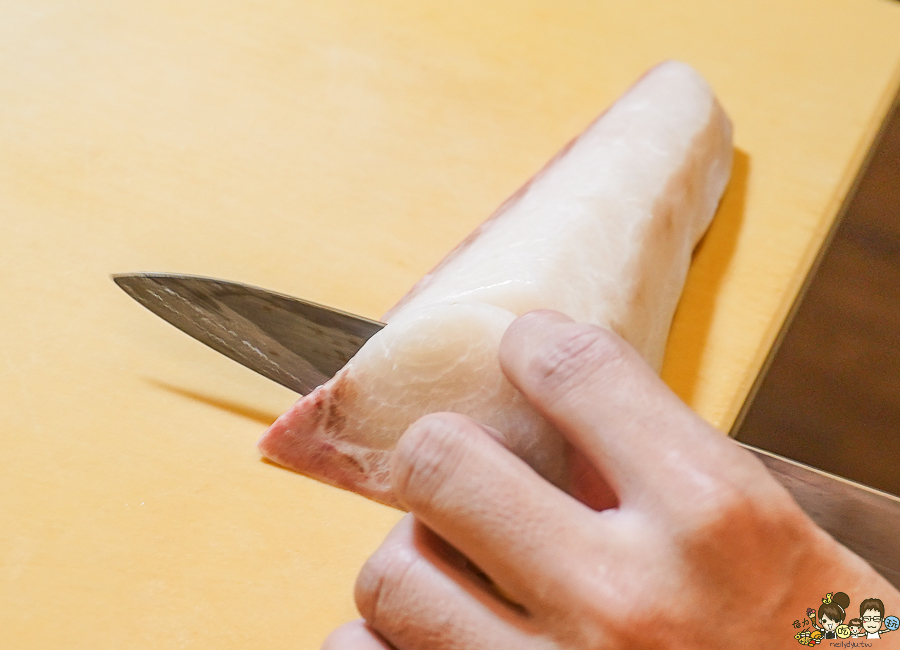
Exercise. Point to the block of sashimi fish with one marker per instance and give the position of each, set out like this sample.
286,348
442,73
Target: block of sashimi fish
603,233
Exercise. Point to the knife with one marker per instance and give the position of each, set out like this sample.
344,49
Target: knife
301,344
296,343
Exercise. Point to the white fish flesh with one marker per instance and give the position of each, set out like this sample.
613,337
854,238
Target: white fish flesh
604,233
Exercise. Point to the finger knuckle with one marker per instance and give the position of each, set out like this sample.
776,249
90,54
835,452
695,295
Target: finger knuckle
737,533
383,584
427,456
721,507
741,515
613,618
578,351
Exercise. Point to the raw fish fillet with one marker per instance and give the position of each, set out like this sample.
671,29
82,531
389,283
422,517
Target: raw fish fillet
604,233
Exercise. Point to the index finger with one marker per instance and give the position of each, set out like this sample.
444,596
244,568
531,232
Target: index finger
601,395
494,509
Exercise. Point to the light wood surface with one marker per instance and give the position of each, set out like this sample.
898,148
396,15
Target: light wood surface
334,151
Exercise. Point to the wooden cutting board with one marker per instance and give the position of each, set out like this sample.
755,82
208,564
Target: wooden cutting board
334,151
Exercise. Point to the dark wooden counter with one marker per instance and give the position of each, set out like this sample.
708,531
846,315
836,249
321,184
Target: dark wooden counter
831,396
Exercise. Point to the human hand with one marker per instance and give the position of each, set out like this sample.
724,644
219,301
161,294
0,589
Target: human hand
698,546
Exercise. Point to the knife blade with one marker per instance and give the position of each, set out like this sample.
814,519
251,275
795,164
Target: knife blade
301,344
296,343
